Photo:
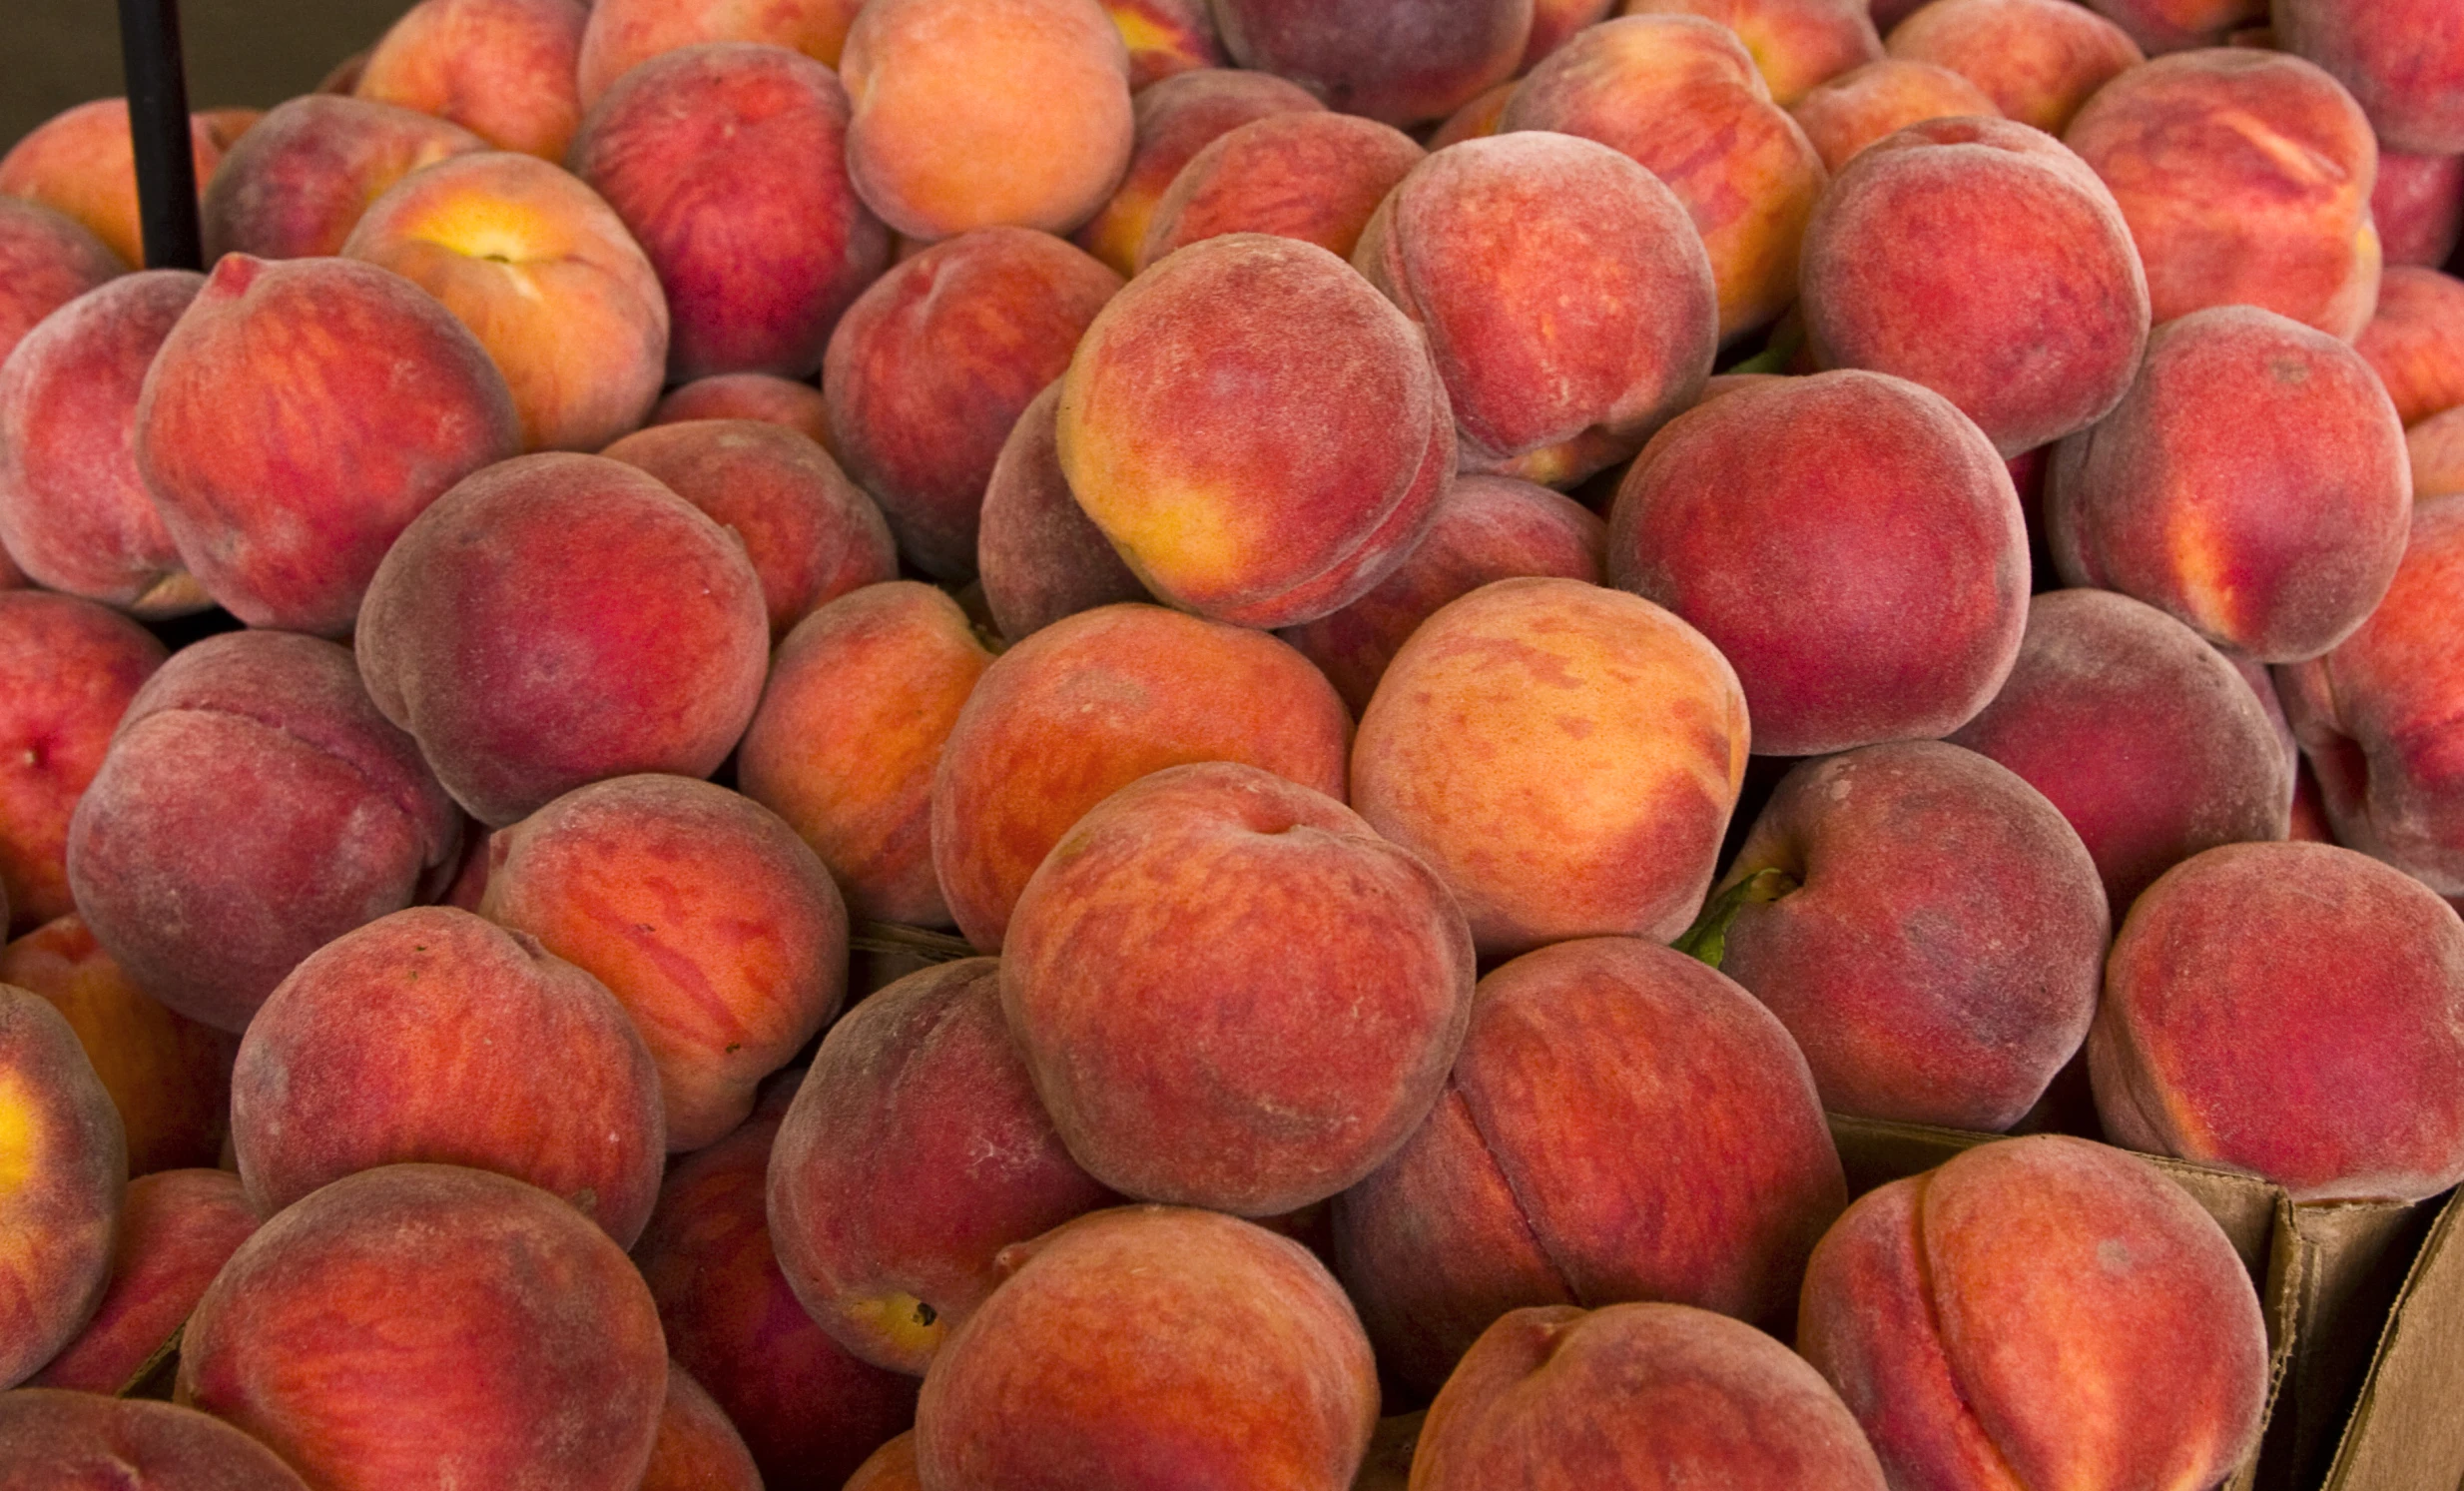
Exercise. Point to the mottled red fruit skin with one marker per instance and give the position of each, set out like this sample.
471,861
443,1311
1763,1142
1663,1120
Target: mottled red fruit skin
503,68
1938,240
2160,26
80,162
1797,44
1312,175
1558,1398
1939,937
2418,205
1850,541
809,1411
624,34
906,1097
68,669
1525,1187
1555,21
697,1448
726,162
208,909
75,515
1175,119
2038,60
1038,555
430,1036
892,1468
1567,301
46,261
1092,703
812,534
424,1324
2141,733
177,1231
2436,449
2042,1311
1487,528
1864,104
2277,540
1331,970
61,1200
749,396
651,612
932,366
295,183
297,419
2377,716
57,1440
1400,64
2402,60
2414,342
1250,1369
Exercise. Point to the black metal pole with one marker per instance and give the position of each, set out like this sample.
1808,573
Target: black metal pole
159,128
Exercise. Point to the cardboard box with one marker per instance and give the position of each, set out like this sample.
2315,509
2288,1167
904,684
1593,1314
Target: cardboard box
2406,1430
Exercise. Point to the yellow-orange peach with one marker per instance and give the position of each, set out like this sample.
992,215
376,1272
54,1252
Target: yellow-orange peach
1166,38
1796,44
62,1192
81,163
503,68
1174,120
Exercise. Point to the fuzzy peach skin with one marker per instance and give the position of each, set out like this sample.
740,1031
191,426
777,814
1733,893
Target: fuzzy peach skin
986,113
1038,553
2160,26
296,185
1527,1186
167,1075
1166,38
2378,717
1930,253
432,1035
1400,64
2435,449
726,163
1091,704
934,364
2042,1311
2245,177
2275,540
1249,1367
2418,205
177,1231
2414,342
651,612
55,1440
812,534
716,928
1488,528
1796,44
205,909
809,1411
1310,174
79,163
64,1173
1565,757
906,1096
46,261
68,669
1265,468
1569,304
423,1325
1329,971
2038,60
1681,95
697,1448
1173,120
623,34
503,68
860,700
1475,119
1555,21
296,420
2402,60
765,397
1559,1398
1850,540
890,1468
1858,107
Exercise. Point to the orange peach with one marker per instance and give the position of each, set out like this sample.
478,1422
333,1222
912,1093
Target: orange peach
46,261
503,68
1166,38
1400,64
1797,44
81,163
749,396
1174,120
63,1191
2403,61
2160,26
1860,106
54,1440
1475,119
1553,22
697,1448
1310,174
2435,449
2414,342
623,34
298,184
2418,205
1038,553
890,1468
177,1231
2038,60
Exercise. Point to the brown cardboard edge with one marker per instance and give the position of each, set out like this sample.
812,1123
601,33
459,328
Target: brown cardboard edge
2406,1432
2352,1260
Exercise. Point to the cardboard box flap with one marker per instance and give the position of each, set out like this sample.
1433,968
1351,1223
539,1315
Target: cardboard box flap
2342,1265
2407,1429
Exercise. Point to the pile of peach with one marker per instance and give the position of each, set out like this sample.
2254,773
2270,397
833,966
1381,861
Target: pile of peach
1053,745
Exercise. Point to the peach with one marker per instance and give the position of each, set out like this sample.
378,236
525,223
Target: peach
1310,174
2418,205
1091,704
1299,494
298,182
650,615
1555,1398
986,113
62,1195
46,261
1400,64
1555,21
73,512
2435,449
2141,733
427,1324
177,1231
1475,119
726,162
812,534
296,420
1850,541
2275,540
1166,38
167,1075
2042,1311
68,669
765,397
890,1468
1682,95
1796,44
2038,60
207,909
697,1448
931,367
503,68
2160,26
1250,1367
862,698
1853,109
54,1440
81,163
2414,342
906,1096
2245,177
1038,553
623,34
1527,1186
1569,304
1173,120
2402,60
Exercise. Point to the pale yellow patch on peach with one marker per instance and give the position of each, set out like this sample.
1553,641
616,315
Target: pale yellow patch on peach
488,227
908,1325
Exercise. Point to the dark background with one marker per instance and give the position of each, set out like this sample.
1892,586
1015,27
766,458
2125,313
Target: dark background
54,53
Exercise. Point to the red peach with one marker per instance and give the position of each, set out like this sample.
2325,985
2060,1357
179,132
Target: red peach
892,1468
298,184
697,1448
1310,174
2403,61
46,261
1555,21
1174,120
1038,553
1398,64
177,1231
1796,44
2414,342
624,34
63,1191
2038,60
2418,205
749,396
81,163
503,68
2160,26
55,1440
1862,105
2435,449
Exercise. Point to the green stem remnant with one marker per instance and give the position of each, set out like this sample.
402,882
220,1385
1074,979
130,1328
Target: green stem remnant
1707,939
